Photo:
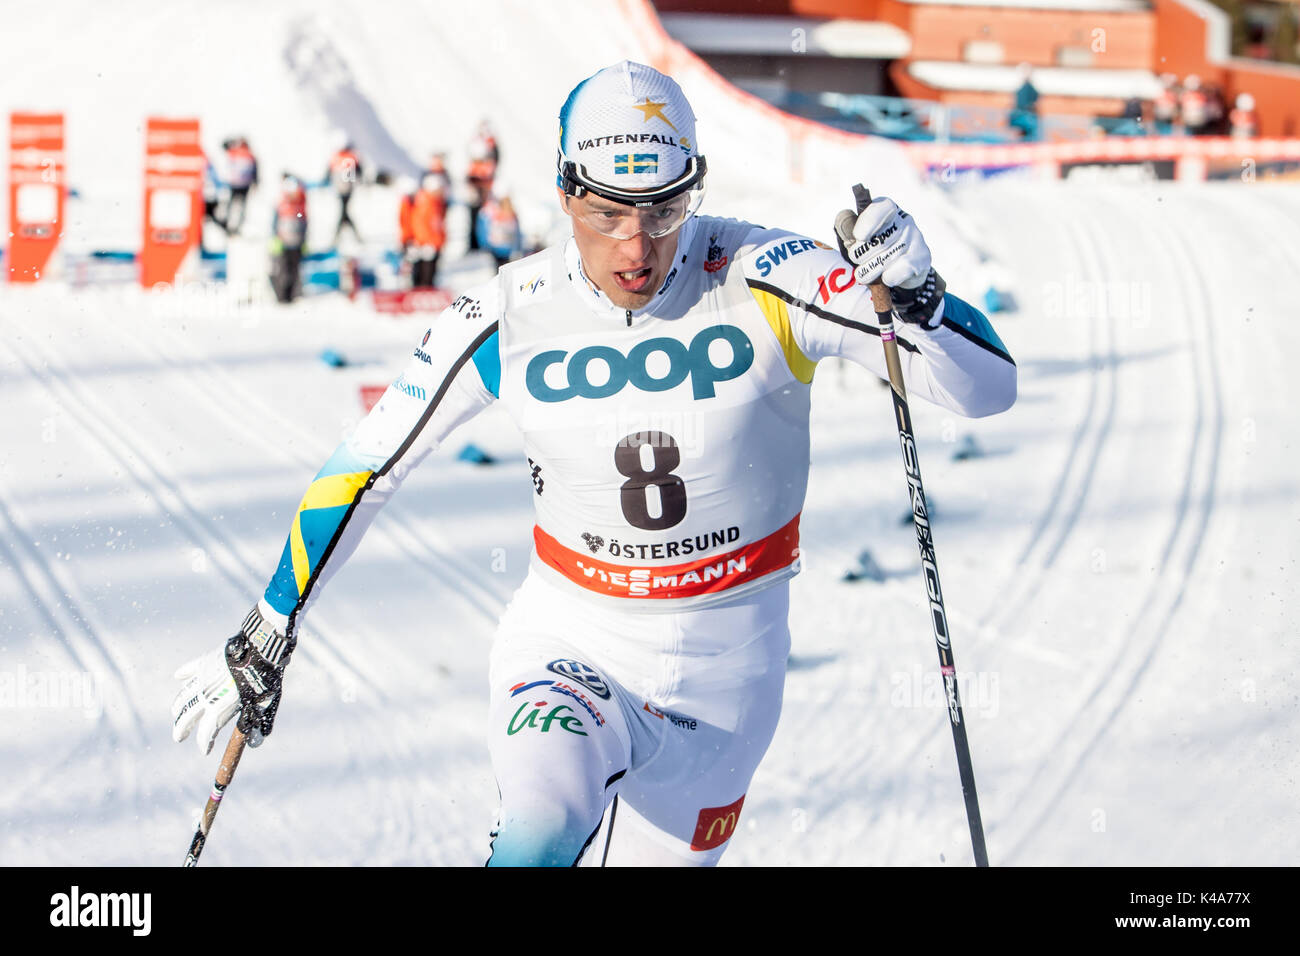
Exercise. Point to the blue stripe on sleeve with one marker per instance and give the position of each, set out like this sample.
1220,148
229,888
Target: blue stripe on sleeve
282,592
969,321
487,359
344,461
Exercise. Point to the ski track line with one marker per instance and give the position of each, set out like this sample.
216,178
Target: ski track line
1088,430
59,602
1104,359
55,594
125,447
437,560
226,385
319,651
1092,249
1021,582
1092,431
1072,485
1136,652
411,535
124,781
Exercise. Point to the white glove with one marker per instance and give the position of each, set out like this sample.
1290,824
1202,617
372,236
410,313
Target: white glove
884,244
243,677
209,699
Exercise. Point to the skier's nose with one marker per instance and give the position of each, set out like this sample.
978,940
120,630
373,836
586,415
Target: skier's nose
638,246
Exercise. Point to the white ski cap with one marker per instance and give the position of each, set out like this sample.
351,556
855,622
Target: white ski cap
628,127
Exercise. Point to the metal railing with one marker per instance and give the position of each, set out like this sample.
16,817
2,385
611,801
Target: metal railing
928,121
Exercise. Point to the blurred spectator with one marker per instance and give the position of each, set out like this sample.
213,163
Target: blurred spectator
1216,111
438,167
482,170
1194,106
1243,120
486,141
289,239
211,197
1164,110
241,176
1132,121
1024,116
498,227
428,231
1258,45
407,188
343,175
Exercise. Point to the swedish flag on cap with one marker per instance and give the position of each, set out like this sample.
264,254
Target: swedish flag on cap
628,129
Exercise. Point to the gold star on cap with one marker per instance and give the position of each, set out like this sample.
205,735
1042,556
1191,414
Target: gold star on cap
652,109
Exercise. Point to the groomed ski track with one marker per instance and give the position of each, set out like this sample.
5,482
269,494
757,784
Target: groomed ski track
1119,567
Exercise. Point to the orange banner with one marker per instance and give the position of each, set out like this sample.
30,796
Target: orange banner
173,197
37,188
702,576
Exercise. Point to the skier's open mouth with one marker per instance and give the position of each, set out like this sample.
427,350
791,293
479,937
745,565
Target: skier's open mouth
634,281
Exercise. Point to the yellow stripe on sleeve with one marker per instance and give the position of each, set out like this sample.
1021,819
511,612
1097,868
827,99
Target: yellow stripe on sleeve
328,492
778,317
334,490
301,564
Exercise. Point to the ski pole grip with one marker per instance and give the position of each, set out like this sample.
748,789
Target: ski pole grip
881,301
861,196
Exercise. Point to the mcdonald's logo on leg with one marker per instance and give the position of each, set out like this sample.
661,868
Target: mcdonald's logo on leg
716,825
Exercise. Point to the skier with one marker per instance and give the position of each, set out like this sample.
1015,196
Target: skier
241,175
636,676
288,239
343,175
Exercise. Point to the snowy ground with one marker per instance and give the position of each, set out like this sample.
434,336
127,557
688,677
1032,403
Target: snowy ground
1119,567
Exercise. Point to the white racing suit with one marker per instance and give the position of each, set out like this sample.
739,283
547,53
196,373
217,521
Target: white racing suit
644,656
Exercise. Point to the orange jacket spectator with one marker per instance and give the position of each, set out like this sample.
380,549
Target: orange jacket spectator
428,219
481,172
405,207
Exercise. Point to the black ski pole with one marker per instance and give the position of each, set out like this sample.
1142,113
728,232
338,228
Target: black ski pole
880,300
225,773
